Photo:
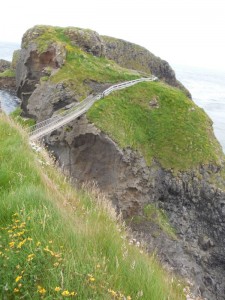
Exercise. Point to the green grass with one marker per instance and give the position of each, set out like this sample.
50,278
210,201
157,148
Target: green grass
178,133
24,122
8,73
158,216
81,66
57,243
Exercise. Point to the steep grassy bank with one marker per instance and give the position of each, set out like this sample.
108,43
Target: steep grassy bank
56,242
160,122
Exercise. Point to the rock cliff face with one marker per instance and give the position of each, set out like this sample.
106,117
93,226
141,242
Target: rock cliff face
4,65
195,207
32,66
192,200
135,57
7,82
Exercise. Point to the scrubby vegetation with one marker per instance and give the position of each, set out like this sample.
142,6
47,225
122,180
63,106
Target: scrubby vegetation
158,216
8,73
160,122
58,243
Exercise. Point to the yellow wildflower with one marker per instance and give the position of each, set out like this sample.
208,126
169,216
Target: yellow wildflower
21,243
129,298
19,233
38,244
11,244
91,279
41,290
50,251
30,257
65,293
73,294
29,239
16,290
56,264
112,292
18,278
57,289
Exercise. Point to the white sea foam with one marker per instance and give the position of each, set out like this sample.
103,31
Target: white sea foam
8,102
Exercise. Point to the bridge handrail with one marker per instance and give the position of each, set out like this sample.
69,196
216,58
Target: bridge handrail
76,110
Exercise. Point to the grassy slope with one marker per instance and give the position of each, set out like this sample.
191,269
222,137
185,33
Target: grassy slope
178,133
56,242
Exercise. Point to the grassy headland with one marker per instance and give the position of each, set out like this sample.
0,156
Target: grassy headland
174,131
60,243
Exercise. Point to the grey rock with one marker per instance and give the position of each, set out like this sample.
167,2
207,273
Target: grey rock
135,57
4,65
192,204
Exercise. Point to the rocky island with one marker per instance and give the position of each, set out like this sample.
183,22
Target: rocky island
149,148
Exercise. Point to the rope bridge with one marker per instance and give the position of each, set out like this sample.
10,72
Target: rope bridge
43,128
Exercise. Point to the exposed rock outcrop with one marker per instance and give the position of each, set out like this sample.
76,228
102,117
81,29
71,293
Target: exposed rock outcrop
135,57
51,97
7,83
4,65
32,64
88,40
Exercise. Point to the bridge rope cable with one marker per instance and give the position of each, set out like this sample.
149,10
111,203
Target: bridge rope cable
47,126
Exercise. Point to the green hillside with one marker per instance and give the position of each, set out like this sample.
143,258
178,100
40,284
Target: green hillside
161,123
58,243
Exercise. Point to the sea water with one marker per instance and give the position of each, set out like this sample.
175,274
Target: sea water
8,101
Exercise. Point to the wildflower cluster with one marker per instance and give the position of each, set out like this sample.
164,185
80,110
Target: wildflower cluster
23,263
101,286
